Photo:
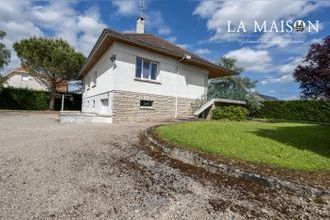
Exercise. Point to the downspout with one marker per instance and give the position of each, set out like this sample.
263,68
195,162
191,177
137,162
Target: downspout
188,57
176,93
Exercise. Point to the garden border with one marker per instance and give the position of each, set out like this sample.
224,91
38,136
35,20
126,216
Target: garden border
195,159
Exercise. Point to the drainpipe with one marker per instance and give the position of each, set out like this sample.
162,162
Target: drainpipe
185,57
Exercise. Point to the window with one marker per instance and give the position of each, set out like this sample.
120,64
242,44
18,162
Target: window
145,69
94,78
138,67
93,103
146,103
153,74
25,78
105,102
88,82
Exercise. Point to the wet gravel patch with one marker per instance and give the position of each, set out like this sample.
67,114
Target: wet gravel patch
49,169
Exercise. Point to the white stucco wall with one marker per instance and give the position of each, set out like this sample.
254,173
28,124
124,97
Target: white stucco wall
191,82
15,80
104,85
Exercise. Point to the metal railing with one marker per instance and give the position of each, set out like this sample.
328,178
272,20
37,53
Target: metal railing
199,102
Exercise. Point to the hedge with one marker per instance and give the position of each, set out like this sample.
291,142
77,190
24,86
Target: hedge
235,113
23,99
27,99
298,110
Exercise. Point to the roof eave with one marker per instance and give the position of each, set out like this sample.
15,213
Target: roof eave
215,71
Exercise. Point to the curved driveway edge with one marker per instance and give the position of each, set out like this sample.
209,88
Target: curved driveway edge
195,159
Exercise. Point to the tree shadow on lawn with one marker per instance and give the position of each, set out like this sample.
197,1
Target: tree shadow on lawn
315,138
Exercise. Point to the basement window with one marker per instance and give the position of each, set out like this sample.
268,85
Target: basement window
146,104
146,69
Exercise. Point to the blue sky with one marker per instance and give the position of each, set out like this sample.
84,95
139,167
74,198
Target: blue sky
199,26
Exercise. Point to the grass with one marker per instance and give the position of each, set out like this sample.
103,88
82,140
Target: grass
299,146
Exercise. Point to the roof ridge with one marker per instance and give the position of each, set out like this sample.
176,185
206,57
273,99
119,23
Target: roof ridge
157,36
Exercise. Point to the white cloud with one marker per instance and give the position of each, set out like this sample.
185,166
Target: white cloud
154,20
281,79
171,39
268,40
80,29
289,67
127,7
60,19
202,51
291,97
218,12
184,46
252,60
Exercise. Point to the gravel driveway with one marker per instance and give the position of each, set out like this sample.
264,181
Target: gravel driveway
48,169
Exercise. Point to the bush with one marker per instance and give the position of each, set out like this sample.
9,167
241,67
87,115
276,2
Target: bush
298,110
27,99
23,99
236,113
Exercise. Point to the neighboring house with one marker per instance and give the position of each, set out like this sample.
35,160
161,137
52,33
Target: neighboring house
137,76
267,98
62,87
21,78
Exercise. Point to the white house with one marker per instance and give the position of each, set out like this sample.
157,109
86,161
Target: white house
138,76
21,78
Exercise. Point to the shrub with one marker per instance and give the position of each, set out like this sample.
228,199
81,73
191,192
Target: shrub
23,99
297,110
236,113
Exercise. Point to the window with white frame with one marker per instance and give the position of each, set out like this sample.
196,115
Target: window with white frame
25,78
146,69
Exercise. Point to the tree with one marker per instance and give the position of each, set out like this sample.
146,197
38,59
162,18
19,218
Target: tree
4,52
50,61
1,83
234,87
230,63
314,73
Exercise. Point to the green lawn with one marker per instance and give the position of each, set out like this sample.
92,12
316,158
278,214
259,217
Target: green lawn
289,145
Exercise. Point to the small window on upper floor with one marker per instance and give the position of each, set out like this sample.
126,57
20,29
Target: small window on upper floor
25,78
146,69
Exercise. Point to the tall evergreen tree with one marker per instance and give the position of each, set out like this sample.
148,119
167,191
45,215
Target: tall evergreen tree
4,52
234,87
50,61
